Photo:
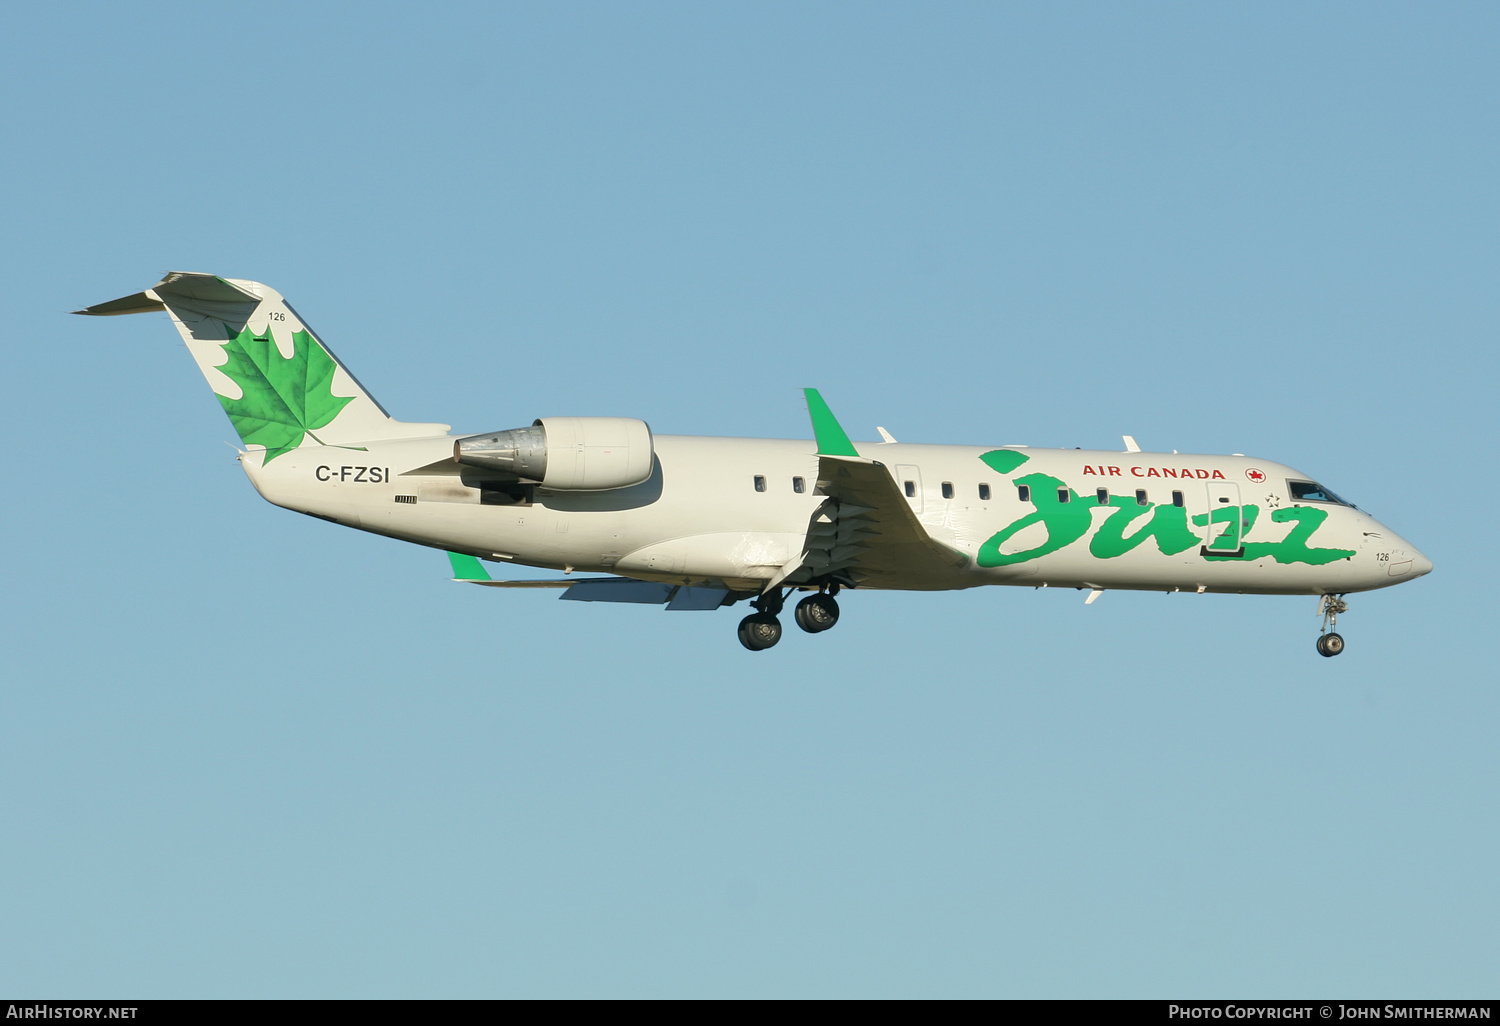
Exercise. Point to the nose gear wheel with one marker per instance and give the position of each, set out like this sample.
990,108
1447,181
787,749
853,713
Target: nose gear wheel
1330,642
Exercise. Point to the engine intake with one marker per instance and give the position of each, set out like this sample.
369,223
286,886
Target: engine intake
586,454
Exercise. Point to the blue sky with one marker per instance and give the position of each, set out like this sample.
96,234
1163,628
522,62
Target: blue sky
248,753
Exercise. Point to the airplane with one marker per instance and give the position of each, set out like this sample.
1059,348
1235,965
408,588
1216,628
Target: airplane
696,523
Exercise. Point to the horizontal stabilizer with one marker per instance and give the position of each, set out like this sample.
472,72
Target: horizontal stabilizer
206,294
141,302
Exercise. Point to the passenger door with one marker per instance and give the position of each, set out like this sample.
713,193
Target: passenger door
1225,520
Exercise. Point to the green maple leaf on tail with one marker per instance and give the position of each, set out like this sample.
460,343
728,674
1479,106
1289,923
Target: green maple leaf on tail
282,399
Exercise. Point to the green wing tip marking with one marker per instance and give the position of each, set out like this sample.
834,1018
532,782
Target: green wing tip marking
467,568
831,438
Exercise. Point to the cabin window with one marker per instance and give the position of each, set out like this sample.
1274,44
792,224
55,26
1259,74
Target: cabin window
947,489
911,489
1177,499
1024,492
760,482
1064,494
984,493
1140,497
798,485
1103,496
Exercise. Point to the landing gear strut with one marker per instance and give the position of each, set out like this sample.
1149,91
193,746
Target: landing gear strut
1331,643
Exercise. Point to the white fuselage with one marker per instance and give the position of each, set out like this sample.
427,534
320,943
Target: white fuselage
736,518
701,518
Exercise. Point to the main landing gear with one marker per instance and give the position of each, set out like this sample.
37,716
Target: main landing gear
1331,643
814,614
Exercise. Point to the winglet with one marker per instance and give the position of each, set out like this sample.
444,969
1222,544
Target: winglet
467,568
831,438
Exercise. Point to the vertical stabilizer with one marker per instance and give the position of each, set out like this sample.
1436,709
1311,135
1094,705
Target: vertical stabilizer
279,384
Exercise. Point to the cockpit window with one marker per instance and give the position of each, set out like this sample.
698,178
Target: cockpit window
1311,491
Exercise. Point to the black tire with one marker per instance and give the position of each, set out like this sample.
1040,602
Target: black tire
1330,644
817,613
759,631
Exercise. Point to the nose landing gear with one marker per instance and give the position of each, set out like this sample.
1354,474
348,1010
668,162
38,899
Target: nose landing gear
1331,643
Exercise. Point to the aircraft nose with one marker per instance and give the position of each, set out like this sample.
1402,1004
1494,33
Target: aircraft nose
1408,562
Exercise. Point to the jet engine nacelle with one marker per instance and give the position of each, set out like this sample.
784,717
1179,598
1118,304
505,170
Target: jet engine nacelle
588,454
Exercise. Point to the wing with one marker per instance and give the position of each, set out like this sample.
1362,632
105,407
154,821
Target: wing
867,530
468,570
